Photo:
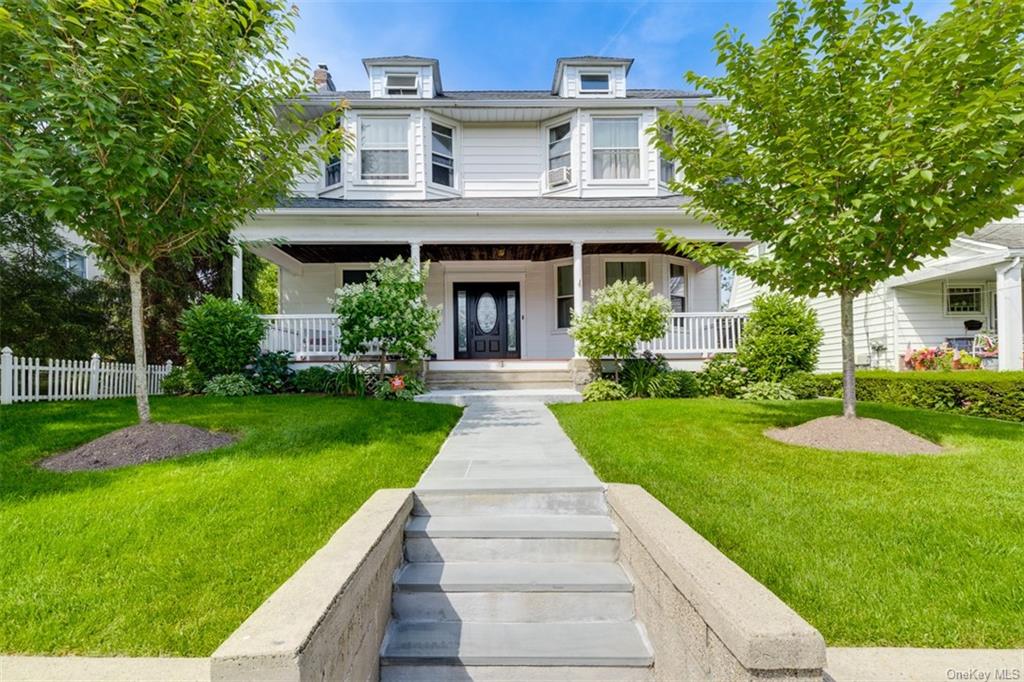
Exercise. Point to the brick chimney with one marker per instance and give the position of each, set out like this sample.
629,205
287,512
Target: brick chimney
322,78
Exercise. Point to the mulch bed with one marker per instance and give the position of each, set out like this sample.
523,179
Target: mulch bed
137,445
855,435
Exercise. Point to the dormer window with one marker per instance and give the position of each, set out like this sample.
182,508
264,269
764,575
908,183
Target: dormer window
594,84
402,85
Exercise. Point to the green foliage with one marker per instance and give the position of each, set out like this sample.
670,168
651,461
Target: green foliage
348,379
781,336
999,395
220,336
398,387
803,385
270,372
681,384
311,380
646,376
390,309
722,376
232,385
617,318
600,390
183,381
263,291
767,390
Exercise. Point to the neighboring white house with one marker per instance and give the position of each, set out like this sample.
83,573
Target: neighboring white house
523,202
976,283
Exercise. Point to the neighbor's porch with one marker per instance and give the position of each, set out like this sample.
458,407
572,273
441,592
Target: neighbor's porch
503,304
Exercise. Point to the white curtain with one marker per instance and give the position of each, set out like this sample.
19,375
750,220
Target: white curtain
616,148
384,143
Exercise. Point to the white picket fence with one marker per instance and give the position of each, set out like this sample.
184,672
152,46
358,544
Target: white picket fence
32,379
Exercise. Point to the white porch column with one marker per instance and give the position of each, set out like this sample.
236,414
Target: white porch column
577,286
236,273
1010,312
414,256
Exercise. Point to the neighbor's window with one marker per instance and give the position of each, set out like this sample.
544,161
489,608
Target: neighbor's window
616,148
402,84
677,287
384,148
627,270
71,260
594,83
443,149
563,295
963,299
559,147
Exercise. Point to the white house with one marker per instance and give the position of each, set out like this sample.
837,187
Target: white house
976,284
523,202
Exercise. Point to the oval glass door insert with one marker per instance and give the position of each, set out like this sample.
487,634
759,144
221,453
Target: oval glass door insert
486,313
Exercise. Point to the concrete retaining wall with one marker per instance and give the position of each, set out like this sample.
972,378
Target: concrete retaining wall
327,621
706,618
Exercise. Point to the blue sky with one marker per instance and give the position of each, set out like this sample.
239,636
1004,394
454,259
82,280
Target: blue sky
513,45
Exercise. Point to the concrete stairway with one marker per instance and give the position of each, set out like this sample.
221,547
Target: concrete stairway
511,566
445,380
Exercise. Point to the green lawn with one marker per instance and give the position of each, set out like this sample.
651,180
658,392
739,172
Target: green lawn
170,557
873,550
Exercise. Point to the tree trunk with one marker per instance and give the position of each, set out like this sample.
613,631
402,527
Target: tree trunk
139,345
849,379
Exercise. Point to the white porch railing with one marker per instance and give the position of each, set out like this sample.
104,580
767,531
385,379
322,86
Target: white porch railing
307,336
699,333
33,379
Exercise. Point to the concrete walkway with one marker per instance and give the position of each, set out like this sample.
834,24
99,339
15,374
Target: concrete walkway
512,561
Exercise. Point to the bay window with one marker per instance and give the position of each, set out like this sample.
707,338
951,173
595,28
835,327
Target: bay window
442,167
677,287
627,270
616,148
559,147
563,296
384,148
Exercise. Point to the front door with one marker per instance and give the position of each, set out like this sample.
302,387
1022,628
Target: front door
487,320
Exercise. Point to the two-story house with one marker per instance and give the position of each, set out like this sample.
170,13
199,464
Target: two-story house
523,201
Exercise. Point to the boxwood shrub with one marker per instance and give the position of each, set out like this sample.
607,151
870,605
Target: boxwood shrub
983,394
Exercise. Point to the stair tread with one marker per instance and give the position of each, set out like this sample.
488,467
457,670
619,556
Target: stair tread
483,576
531,484
547,644
540,526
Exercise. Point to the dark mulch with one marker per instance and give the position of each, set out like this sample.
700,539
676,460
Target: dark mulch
136,445
856,435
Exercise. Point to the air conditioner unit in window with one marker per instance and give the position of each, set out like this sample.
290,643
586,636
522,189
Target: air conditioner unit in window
559,176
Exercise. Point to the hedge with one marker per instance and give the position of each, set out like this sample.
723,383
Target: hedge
999,395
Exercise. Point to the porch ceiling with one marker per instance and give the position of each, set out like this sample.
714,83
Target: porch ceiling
371,253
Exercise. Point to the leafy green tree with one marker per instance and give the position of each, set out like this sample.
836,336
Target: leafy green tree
152,128
616,319
389,310
221,336
781,337
853,142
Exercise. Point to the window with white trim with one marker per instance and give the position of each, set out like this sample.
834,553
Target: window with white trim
332,171
442,147
615,270
595,84
616,148
677,287
401,84
563,296
963,299
384,148
666,167
354,276
560,146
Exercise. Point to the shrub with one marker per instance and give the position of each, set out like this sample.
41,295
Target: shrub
767,390
270,372
312,380
781,336
231,385
220,336
803,385
999,395
646,376
681,384
349,379
601,390
183,381
398,387
722,376
617,318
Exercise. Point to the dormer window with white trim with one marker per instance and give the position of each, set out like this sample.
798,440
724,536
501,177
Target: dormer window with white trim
402,84
616,148
384,148
595,84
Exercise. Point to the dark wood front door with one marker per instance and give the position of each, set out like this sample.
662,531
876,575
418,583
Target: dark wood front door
487,320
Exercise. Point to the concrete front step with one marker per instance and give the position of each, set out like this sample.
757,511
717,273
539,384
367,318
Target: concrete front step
516,644
513,607
510,576
470,377
581,501
466,397
478,673
539,526
510,549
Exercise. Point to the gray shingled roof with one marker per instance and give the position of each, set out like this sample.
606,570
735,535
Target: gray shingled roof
482,203
470,95
1010,235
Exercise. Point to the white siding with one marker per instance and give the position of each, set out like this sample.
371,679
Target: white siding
308,292
501,160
